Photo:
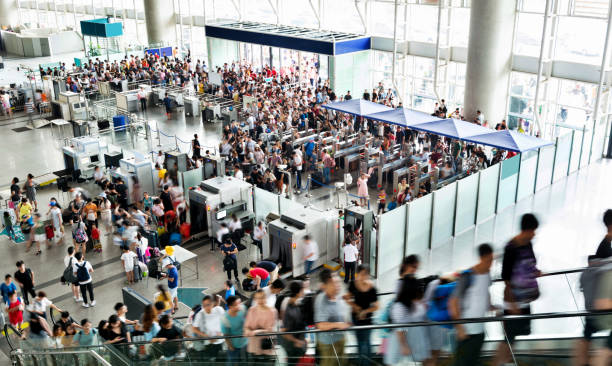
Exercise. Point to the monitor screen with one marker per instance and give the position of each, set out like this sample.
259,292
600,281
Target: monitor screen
94,158
221,215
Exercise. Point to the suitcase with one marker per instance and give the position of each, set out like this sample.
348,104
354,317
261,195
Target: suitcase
152,238
175,239
103,124
137,271
49,232
185,230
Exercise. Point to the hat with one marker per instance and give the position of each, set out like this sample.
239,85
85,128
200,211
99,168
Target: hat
169,250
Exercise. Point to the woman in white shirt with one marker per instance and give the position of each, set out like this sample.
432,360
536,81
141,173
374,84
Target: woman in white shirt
258,234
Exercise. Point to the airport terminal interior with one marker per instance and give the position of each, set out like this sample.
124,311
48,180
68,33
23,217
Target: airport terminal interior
306,182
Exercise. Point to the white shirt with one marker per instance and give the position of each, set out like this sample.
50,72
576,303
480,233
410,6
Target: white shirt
239,175
75,266
67,260
351,253
42,305
160,160
297,161
128,260
311,248
210,323
222,232
235,225
259,233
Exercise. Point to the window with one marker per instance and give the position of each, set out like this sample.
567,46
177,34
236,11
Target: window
529,34
580,40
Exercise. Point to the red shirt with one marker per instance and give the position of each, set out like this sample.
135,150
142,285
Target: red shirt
262,273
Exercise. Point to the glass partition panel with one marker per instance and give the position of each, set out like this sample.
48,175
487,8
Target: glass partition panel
487,192
562,156
443,214
586,147
508,180
598,141
392,226
265,203
467,198
287,205
419,225
545,167
576,144
527,174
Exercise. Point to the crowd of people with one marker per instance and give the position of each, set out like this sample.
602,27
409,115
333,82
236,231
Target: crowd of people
230,327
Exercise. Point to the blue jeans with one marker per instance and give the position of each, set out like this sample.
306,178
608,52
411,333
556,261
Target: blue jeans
236,356
364,346
308,266
326,172
298,180
10,232
264,283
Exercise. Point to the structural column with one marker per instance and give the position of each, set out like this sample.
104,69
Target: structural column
489,59
9,13
161,21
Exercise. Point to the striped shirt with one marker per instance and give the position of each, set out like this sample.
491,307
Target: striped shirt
29,107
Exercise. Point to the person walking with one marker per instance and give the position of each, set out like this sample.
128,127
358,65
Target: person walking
362,189
311,254
471,299
69,261
363,299
7,287
519,273
258,235
29,109
260,319
25,279
207,323
230,261
82,269
232,324
350,255
293,320
330,314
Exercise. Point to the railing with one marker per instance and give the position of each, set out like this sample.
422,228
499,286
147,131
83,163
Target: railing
180,350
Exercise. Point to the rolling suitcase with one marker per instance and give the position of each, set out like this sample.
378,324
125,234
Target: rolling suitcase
152,238
137,271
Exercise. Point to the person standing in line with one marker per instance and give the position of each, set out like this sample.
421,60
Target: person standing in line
232,324
363,299
25,279
519,273
83,270
311,254
330,314
142,96
471,299
297,166
349,257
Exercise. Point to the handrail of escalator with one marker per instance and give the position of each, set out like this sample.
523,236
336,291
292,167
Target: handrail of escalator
491,319
544,274
6,329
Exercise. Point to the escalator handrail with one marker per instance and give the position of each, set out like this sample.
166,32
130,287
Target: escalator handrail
545,274
492,319
8,326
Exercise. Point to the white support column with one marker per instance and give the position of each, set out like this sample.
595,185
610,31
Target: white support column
489,57
9,13
160,20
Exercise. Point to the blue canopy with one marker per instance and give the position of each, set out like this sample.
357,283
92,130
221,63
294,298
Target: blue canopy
403,117
357,107
453,128
509,140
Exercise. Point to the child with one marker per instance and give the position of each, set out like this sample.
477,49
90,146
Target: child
230,290
382,200
147,201
38,235
127,260
7,287
95,236
15,310
8,224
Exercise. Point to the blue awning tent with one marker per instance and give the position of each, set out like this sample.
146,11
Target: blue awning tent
453,128
509,140
403,117
357,107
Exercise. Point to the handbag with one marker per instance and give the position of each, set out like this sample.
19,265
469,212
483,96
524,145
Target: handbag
266,344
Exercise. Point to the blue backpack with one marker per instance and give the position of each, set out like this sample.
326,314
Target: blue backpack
438,305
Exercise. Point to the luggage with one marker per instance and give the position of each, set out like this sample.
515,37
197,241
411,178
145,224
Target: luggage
103,124
49,232
185,230
175,239
137,270
152,238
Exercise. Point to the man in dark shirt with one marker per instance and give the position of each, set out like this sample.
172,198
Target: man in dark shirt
166,199
122,193
519,273
168,332
195,145
604,250
25,279
230,262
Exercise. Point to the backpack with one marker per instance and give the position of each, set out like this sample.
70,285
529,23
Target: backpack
438,305
308,302
82,272
175,263
68,275
79,234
